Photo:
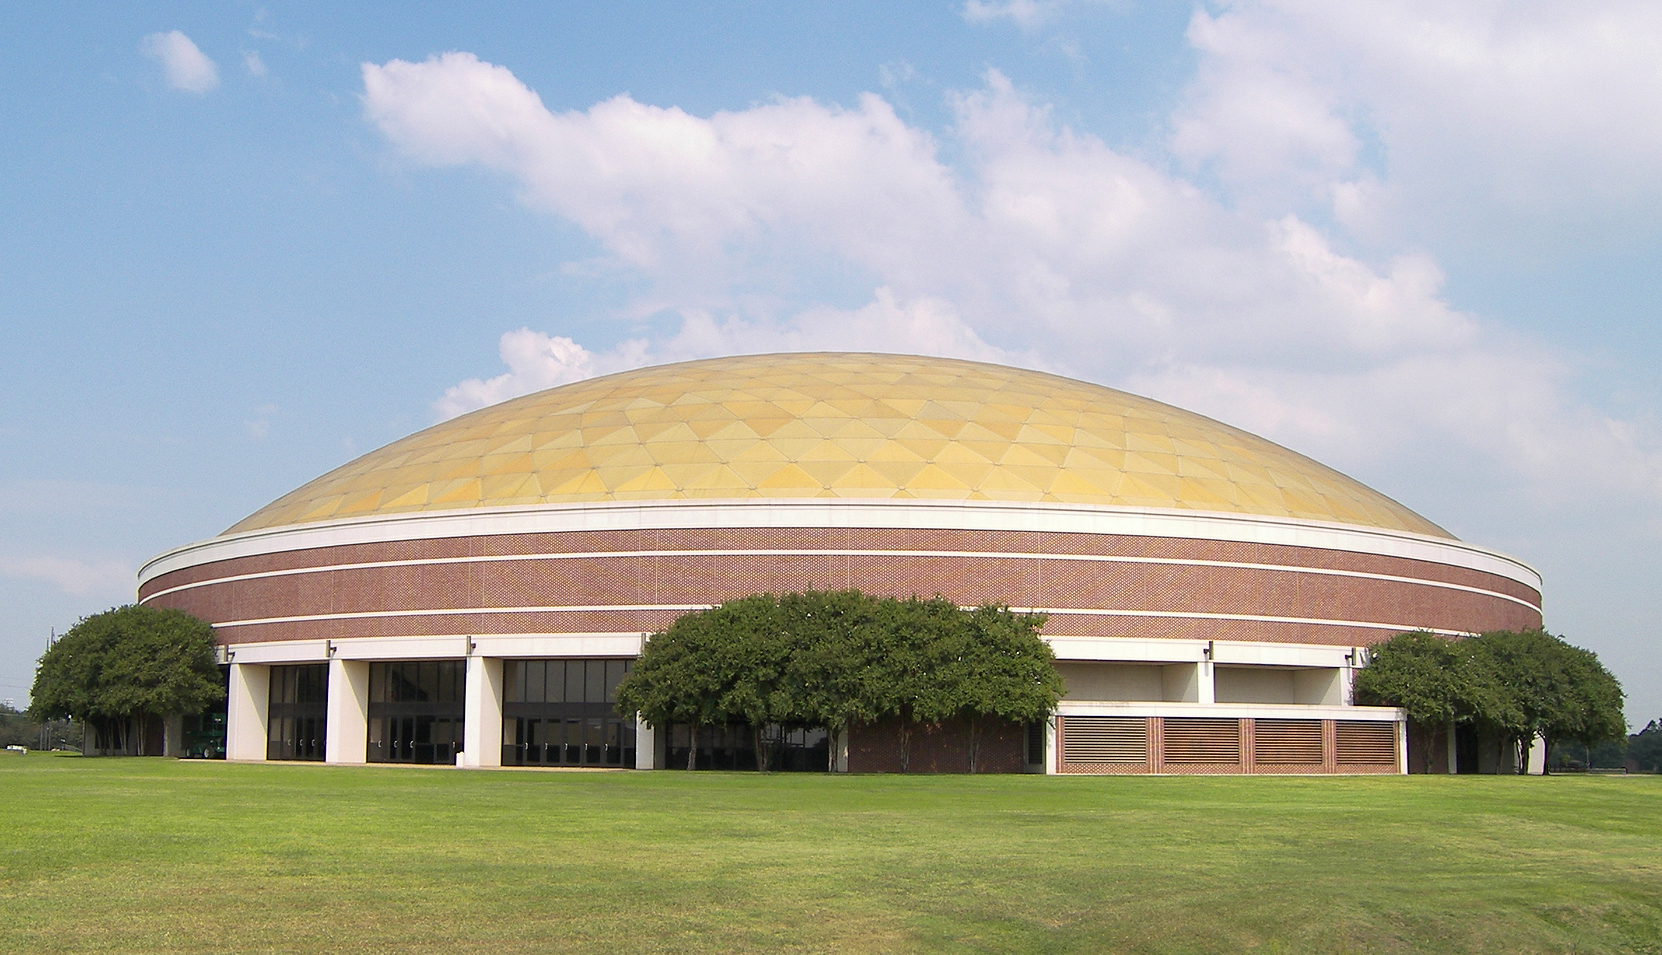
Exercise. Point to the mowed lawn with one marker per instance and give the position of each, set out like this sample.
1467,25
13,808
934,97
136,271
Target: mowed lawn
151,855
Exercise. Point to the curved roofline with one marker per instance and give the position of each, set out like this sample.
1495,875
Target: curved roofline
846,512
856,425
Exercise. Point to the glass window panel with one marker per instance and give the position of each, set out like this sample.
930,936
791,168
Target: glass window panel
556,687
574,681
534,671
574,741
427,681
614,743
395,683
614,676
594,686
593,741
513,678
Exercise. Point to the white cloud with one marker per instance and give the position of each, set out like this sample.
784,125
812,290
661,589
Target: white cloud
536,360
73,577
1415,116
1100,264
253,63
187,68
1026,14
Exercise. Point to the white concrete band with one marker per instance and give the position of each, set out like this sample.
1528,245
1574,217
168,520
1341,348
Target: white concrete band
845,513
835,552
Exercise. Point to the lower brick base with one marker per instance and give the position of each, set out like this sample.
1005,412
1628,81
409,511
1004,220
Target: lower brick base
942,748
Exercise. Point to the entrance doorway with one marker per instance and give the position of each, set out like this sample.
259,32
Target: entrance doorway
416,710
297,712
564,713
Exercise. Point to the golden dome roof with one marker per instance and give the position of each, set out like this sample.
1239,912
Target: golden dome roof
836,425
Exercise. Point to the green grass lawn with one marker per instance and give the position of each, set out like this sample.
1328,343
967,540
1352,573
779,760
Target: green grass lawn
151,855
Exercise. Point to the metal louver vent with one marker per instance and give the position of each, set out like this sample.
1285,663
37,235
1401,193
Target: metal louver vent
1203,741
1369,743
1287,741
1104,739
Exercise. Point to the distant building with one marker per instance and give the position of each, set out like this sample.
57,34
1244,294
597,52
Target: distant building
473,592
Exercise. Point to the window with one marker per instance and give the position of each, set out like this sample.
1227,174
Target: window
297,711
415,711
563,713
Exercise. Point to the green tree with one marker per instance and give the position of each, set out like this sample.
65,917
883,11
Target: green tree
1001,669
752,655
920,641
1552,690
835,675
835,659
116,670
708,668
1644,748
1433,679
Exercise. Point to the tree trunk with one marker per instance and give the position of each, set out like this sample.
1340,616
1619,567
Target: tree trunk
974,741
692,748
761,748
905,744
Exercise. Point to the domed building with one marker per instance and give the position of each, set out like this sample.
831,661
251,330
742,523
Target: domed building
475,591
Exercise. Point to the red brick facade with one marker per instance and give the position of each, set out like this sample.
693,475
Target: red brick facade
942,748
637,581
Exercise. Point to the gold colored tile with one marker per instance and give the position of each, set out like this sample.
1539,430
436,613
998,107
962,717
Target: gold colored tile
801,425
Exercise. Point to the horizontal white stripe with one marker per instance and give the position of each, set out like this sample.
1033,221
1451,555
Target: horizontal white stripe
846,514
684,608
1077,708
609,555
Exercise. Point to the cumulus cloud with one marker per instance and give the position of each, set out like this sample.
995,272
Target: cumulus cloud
1403,116
73,577
1101,264
536,360
186,67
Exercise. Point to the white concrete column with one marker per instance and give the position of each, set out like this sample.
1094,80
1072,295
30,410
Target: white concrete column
646,745
246,711
482,713
346,725
1402,744
1208,687
1053,760
1537,758
1354,660
1453,749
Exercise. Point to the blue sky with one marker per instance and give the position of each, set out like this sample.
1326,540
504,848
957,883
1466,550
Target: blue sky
240,243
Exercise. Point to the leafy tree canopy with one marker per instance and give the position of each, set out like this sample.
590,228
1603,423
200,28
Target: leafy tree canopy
1644,748
128,662
837,658
1523,684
